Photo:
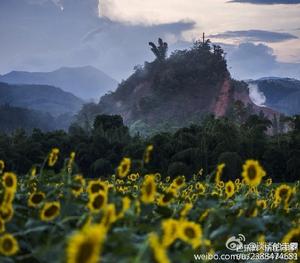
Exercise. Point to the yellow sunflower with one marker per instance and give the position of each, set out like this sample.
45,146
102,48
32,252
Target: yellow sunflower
8,245
8,197
126,201
147,154
78,186
170,229
237,181
85,246
185,209
50,211
109,216
71,160
157,177
166,198
251,212
2,225
293,236
229,189
53,157
124,167
6,212
262,203
220,185
191,233
97,202
178,182
9,181
148,189
133,177
268,182
35,199
2,166
253,173
200,188
283,193
219,172
204,215
33,172
159,252
96,186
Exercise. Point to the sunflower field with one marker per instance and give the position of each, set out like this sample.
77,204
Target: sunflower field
50,216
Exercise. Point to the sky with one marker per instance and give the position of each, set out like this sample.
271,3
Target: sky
261,37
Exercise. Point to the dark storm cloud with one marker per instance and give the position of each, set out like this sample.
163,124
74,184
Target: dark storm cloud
255,35
267,2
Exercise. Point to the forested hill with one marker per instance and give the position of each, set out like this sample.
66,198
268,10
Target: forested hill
14,118
175,91
47,99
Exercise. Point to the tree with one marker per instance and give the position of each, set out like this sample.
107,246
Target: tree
159,51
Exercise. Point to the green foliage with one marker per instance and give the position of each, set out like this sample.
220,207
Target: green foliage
122,228
159,51
102,167
13,118
204,146
178,90
233,164
177,169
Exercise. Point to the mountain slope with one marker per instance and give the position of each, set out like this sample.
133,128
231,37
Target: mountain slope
43,98
12,118
176,91
281,94
84,82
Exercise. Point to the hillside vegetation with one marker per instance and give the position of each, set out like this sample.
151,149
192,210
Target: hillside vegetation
47,99
173,91
186,151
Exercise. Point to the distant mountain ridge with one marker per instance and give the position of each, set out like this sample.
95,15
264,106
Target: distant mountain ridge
41,98
85,82
281,94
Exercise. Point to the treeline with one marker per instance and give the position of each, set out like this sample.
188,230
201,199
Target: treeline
186,151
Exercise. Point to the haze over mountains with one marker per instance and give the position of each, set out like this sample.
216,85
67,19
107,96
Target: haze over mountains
281,94
87,83
176,90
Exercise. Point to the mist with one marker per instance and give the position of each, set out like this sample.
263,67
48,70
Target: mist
256,95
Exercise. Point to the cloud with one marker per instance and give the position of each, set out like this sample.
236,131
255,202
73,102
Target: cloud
267,2
256,95
36,35
255,35
122,46
253,61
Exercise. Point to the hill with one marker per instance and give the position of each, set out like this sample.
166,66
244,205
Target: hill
13,118
42,98
281,94
175,91
85,82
